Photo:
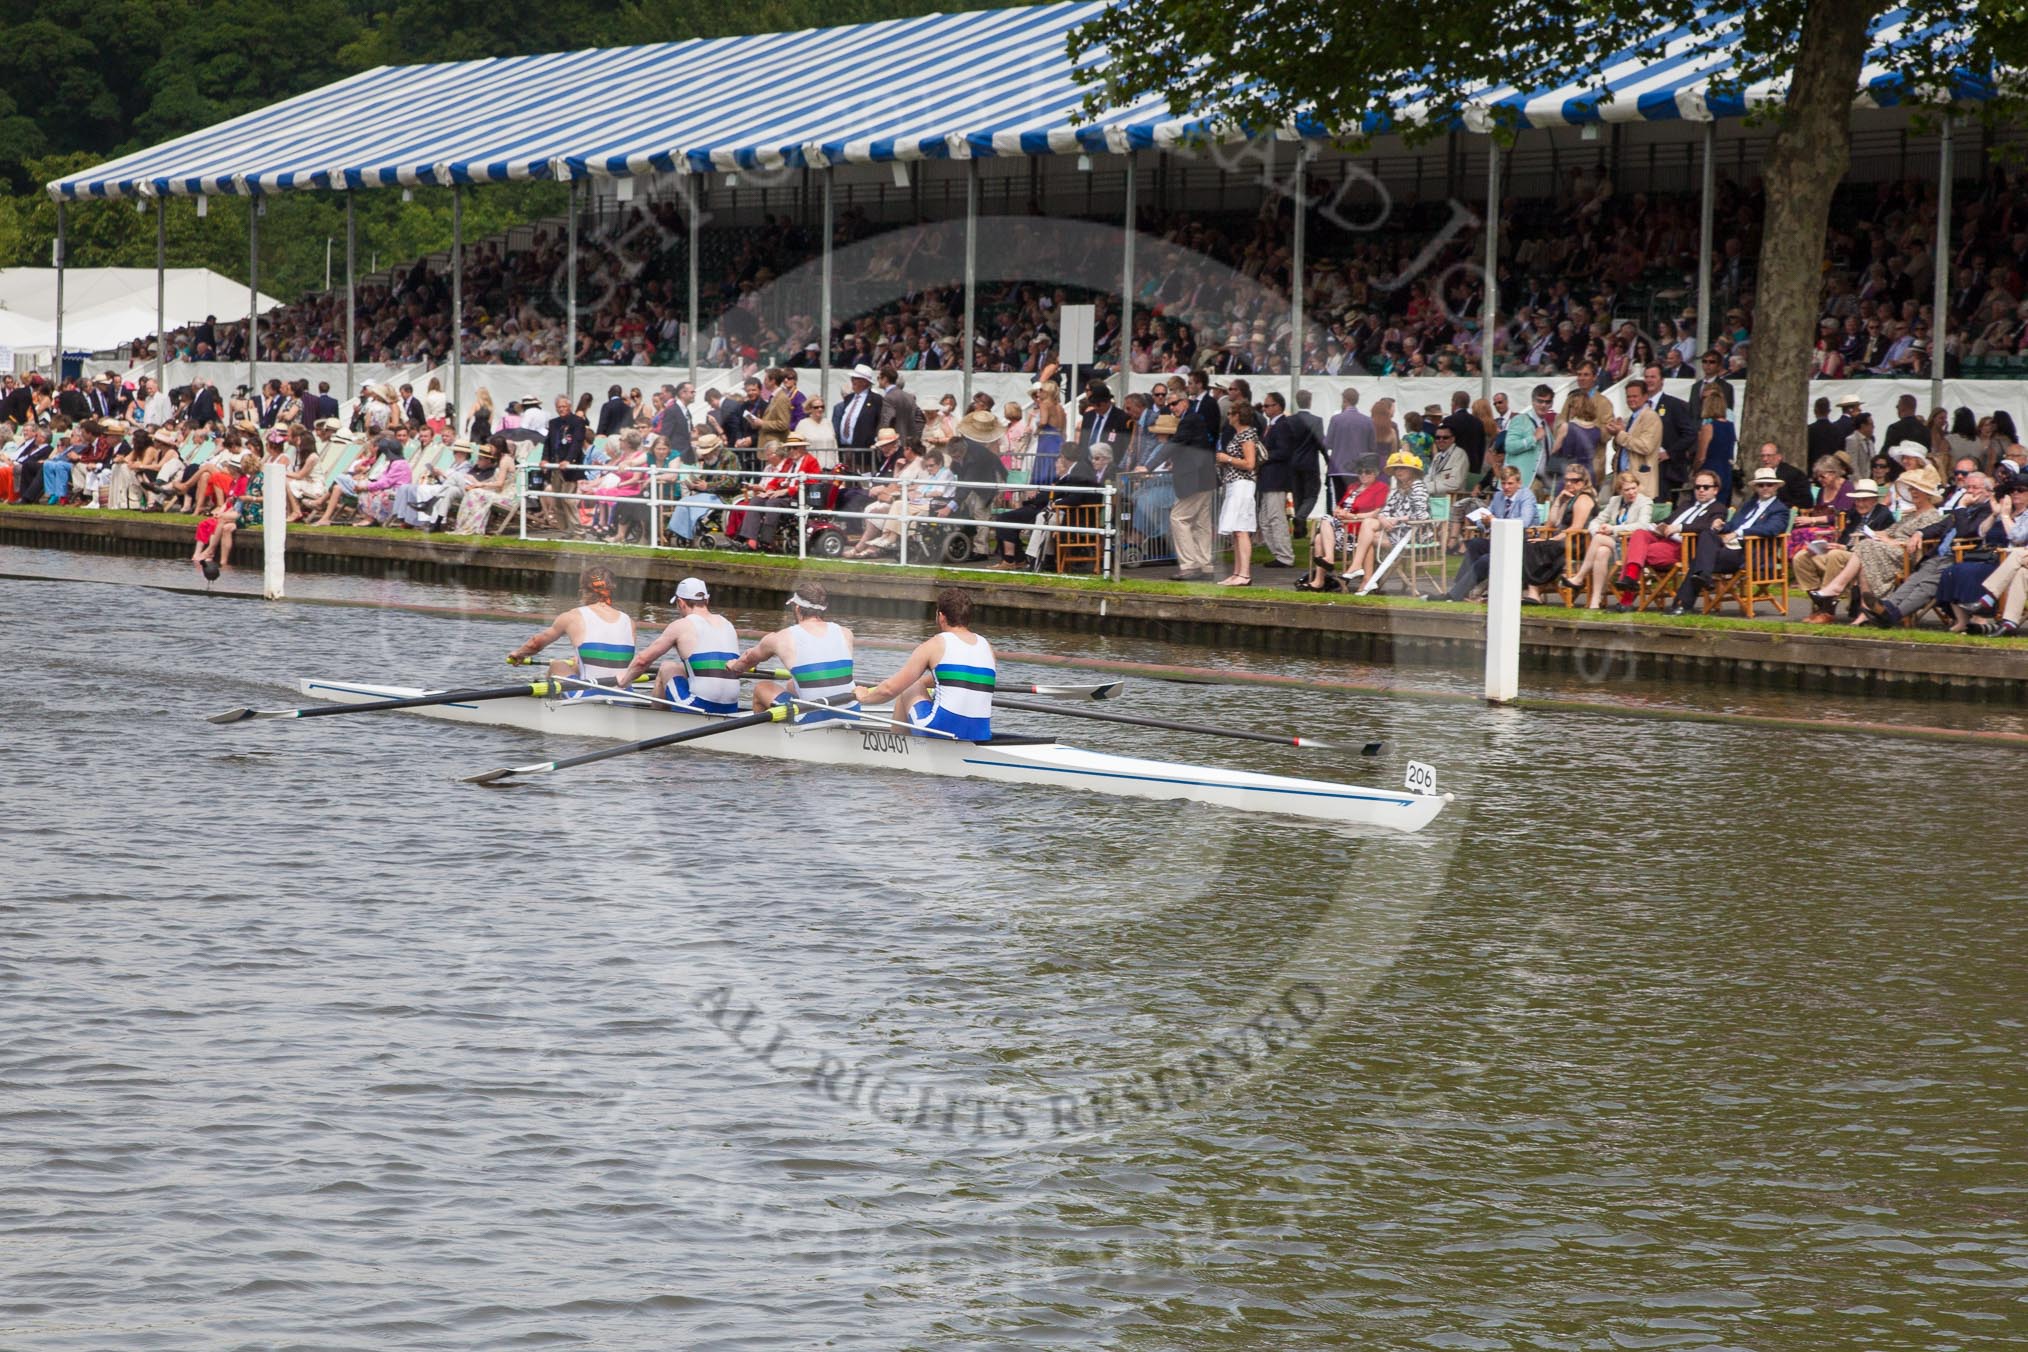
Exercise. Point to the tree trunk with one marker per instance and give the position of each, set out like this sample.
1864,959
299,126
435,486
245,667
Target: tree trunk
1804,166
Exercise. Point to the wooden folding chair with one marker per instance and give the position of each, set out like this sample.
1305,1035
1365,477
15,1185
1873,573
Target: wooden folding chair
1575,546
1655,589
1081,553
1764,576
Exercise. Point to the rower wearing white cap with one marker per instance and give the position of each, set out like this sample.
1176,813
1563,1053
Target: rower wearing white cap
962,667
705,645
602,635
817,652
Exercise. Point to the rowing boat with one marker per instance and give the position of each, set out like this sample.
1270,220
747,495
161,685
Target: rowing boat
874,744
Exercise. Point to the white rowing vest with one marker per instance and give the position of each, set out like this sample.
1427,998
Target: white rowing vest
606,648
706,685
962,703
820,665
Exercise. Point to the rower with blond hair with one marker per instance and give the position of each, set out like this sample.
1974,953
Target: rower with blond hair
601,635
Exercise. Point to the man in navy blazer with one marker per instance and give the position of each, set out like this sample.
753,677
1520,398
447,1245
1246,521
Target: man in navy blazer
856,419
1722,546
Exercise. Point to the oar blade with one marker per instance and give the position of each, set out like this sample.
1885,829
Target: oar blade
507,772
234,716
1371,748
1110,690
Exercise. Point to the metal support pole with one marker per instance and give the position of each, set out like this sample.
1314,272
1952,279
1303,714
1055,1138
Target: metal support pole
62,237
830,227
351,294
253,295
1296,266
570,302
1940,265
1489,301
695,205
161,300
1129,216
1708,195
971,272
457,304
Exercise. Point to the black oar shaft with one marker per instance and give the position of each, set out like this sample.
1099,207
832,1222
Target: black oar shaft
1133,720
534,688
672,738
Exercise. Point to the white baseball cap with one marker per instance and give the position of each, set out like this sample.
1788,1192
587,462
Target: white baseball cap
691,589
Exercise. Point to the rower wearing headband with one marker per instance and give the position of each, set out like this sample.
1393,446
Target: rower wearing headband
817,652
961,664
705,646
602,635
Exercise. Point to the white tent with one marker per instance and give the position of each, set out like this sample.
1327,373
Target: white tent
104,307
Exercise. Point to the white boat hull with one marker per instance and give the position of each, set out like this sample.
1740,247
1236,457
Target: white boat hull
869,745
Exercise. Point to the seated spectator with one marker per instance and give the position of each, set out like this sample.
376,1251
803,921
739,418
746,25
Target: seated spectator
1721,547
1660,548
1515,501
1880,558
704,484
1966,509
1828,549
2005,588
492,487
1627,511
213,551
1362,500
1961,589
1407,503
1074,482
1570,511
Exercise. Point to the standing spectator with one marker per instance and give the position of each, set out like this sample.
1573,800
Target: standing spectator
898,408
1906,426
614,414
857,419
1196,479
1349,435
1238,461
1468,433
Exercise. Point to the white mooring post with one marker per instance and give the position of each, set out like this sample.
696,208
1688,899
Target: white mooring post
274,527
1503,613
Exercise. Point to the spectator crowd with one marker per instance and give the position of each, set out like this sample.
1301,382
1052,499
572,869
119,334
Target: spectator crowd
1590,275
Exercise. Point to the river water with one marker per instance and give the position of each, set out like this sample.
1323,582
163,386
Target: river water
1666,1035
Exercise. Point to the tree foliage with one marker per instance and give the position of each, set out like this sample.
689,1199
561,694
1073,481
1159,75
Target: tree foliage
109,77
1353,72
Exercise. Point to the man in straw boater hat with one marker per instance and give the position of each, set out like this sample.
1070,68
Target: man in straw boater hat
705,647
1722,548
816,651
601,635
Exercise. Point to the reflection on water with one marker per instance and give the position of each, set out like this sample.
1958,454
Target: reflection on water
1674,1035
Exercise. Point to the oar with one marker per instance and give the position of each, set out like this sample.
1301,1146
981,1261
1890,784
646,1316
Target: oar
777,714
539,689
1108,690
1273,739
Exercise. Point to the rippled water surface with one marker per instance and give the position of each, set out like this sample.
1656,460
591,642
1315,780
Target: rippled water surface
1683,1035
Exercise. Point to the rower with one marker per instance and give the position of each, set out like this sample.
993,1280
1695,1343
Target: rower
817,652
948,678
705,645
602,635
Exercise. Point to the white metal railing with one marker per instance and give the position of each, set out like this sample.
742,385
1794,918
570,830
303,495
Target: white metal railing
917,512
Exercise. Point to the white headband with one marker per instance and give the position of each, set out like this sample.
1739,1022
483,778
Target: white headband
799,603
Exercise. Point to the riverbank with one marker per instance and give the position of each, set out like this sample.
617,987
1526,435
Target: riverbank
1721,650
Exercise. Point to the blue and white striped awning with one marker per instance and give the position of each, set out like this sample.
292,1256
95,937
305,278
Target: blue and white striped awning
942,86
